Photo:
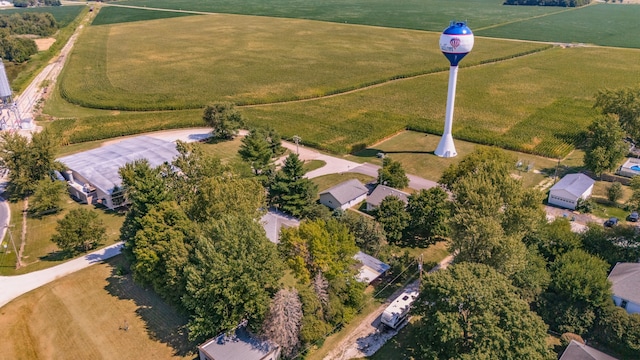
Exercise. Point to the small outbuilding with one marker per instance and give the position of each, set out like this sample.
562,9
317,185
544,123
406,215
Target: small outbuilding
630,168
625,285
241,345
370,269
344,195
571,188
579,351
381,192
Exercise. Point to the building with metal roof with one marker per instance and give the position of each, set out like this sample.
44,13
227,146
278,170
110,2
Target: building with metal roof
93,175
241,345
371,267
571,188
273,221
579,351
381,192
344,195
625,285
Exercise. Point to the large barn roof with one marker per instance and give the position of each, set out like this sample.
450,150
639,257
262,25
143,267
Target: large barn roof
100,166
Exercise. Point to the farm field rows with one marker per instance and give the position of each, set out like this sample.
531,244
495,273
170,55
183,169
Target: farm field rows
600,24
185,63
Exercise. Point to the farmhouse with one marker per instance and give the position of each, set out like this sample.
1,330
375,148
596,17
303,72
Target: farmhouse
239,346
578,351
93,175
570,189
344,195
625,285
381,192
371,267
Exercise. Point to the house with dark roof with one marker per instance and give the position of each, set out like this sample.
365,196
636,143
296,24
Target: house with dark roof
381,192
370,267
241,345
344,195
571,188
579,351
625,285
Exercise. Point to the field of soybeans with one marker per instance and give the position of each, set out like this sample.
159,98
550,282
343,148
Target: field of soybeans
342,86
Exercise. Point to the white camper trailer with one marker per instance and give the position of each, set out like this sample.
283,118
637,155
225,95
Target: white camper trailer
396,313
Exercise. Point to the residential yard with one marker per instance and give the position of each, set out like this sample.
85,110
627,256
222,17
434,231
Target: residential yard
415,151
39,251
84,316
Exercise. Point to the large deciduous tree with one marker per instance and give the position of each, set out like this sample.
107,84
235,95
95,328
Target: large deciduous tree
578,290
369,234
470,311
605,145
429,211
27,161
393,217
223,118
290,191
625,103
79,231
47,197
231,276
616,244
392,174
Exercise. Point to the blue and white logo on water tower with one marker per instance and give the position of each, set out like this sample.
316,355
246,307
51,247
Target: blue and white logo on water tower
456,41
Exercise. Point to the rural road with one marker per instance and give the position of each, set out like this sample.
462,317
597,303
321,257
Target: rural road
335,165
13,286
368,337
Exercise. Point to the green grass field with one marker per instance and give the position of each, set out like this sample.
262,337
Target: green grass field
81,316
114,15
243,59
64,15
599,24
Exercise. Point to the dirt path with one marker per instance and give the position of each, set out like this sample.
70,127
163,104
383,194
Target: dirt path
370,336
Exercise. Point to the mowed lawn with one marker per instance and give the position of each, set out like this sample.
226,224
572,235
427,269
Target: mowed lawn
185,63
82,316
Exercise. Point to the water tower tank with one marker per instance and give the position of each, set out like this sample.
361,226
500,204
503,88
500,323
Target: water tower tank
456,41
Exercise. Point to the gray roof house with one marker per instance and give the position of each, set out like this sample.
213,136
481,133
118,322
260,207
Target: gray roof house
273,221
371,267
344,195
381,192
566,192
578,351
625,285
239,346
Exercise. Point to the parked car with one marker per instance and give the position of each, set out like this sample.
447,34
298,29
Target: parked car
633,216
611,222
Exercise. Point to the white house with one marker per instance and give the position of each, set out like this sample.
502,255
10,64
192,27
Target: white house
579,351
344,195
625,285
381,192
239,346
571,188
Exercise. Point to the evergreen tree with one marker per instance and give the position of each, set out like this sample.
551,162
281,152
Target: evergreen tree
290,191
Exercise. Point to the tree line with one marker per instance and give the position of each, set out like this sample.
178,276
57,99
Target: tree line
19,49
27,3
563,3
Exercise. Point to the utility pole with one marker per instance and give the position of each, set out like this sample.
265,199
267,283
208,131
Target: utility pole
297,139
18,262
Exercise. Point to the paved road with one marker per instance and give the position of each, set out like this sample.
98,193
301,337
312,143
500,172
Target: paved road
336,165
13,286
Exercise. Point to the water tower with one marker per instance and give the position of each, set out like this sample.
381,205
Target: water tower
9,114
456,42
